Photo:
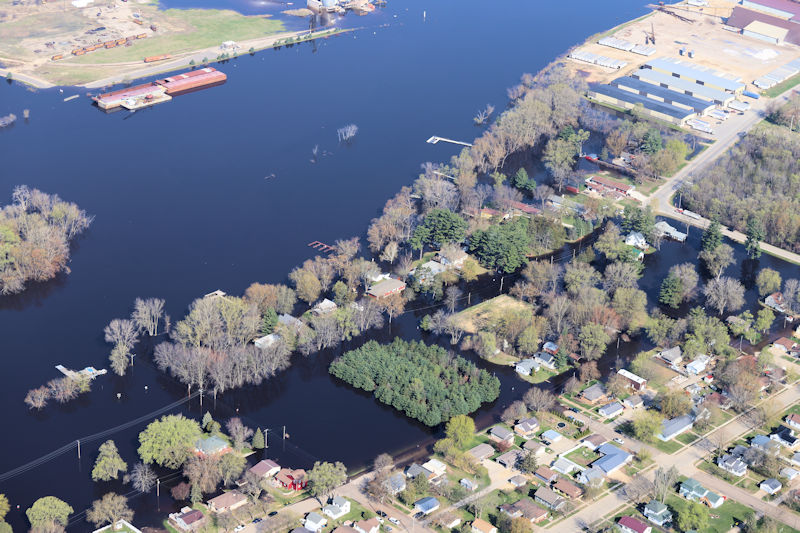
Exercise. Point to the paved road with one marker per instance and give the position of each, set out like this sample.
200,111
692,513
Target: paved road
684,461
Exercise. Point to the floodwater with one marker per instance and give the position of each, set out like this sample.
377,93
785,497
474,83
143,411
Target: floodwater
217,189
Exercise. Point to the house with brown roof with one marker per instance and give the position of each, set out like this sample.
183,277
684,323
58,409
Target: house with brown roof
786,345
549,499
227,501
482,451
367,526
567,488
527,427
386,288
187,520
535,447
266,468
594,441
482,526
545,474
291,479
525,508
793,421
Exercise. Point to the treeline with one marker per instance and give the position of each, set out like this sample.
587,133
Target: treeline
35,231
757,181
427,383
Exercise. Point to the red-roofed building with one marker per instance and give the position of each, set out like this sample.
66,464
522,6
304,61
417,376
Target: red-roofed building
628,524
291,479
601,183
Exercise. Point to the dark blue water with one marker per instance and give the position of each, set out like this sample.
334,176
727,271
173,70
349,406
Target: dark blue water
182,208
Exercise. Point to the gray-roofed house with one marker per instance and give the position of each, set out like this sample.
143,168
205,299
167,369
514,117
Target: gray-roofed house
482,451
509,459
536,448
527,427
796,459
594,394
500,434
550,436
610,410
674,427
564,466
426,505
396,483
613,458
546,359
771,486
518,481
657,513
468,484
414,470
337,508
789,473
314,521
633,401
673,356
548,498
526,367
591,476
765,444
732,464
324,307
212,445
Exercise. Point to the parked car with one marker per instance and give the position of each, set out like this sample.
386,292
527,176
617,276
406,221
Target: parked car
239,527
379,519
381,513
574,409
619,441
273,513
394,520
256,520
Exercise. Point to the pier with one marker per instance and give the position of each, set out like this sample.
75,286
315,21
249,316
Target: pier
321,247
88,372
435,139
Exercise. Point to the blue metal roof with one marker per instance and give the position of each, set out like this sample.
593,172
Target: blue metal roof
668,95
687,71
427,504
613,458
648,103
702,91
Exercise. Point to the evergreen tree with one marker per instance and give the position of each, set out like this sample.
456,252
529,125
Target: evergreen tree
561,358
712,236
652,142
269,321
207,419
258,440
755,234
671,291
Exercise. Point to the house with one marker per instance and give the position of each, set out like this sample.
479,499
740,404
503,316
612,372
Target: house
448,520
426,505
765,444
509,459
482,526
188,520
674,427
602,184
732,464
546,359
594,441
482,451
526,508
694,491
523,209
526,367
633,401
637,240
314,521
698,366
324,307
610,410
738,450
291,479
548,498
518,481
628,524
500,434
396,483
657,513
292,322
771,486
613,458
567,488
785,437
367,526
562,465
452,258
789,473
793,421
386,288
694,390
119,525
545,474
594,394
550,347
720,400
787,346
536,448
266,341
227,501
427,271
634,381
593,476
550,436
796,459
436,466
265,468
776,302
302,530
337,508
212,445
468,484
413,470
527,427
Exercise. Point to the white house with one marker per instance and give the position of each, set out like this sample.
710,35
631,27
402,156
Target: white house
314,521
637,240
771,486
732,464
337,508
526,367
436,466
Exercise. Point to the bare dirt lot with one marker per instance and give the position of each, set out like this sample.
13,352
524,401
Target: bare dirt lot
715,47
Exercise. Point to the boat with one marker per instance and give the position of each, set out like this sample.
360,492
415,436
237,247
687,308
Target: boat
7,120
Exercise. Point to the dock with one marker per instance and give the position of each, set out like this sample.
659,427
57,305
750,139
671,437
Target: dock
88,372
142,101
321,247
435,139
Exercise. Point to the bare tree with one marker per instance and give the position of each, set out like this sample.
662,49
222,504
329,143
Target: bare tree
390,252
147,314
367,315
143,478
538,399
558,307
451,296
37,398
63,389
121,357
121,331
664,481
724,294
238,432
639,490
346,133
483,115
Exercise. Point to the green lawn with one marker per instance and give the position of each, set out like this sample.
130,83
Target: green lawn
785,85
687,438
538,377
725,514
582,456
671,446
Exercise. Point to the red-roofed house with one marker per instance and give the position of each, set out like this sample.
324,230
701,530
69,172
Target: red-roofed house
601,183
291,479
793,420
786,345
628,524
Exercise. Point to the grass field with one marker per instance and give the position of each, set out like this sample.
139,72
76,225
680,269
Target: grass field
725,514
44,26
772,92
202,28
470,319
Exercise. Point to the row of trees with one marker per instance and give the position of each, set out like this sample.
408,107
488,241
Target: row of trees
35,232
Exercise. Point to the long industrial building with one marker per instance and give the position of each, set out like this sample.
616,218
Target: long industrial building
629,100
709,78
767,28
684,86
661,94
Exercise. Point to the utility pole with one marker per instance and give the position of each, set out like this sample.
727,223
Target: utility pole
501,283
284,432
469,299
266,439
79,442
158,493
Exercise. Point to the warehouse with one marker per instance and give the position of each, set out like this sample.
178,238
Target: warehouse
685,86
765,32
656,92
741,18
708,78
628,100
779,8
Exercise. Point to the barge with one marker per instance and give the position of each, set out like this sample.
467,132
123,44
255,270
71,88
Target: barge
148,94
